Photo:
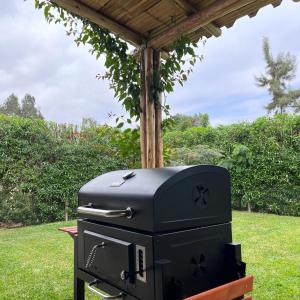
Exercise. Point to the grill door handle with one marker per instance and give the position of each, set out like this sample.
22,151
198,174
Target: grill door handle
128,212
103,296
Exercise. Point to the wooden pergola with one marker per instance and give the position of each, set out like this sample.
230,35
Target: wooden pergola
152,26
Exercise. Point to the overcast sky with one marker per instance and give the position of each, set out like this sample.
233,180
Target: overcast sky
39,59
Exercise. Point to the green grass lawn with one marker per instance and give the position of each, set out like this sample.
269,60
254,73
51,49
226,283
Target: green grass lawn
36,261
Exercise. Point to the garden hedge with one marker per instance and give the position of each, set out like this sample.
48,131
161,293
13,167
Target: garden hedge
272,182
43,165
42,168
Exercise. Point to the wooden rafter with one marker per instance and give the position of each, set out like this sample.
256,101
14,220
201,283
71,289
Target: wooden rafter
190,10
213,29
194,21
276,3
186,6
207,15
100,19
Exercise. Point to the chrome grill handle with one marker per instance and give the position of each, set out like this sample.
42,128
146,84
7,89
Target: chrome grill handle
102,295
128,212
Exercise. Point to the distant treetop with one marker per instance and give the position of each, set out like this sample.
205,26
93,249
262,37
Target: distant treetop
27,109
279,72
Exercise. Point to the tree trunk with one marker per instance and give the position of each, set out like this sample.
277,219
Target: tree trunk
66,210
151,112
249,207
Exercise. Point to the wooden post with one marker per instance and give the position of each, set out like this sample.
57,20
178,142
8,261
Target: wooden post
151,113
159,158
143,116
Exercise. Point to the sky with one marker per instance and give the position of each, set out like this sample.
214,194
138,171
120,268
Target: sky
40,59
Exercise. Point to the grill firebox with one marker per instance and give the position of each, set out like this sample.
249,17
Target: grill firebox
157,234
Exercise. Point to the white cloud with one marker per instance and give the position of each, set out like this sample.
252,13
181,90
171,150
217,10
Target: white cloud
40,59
223,84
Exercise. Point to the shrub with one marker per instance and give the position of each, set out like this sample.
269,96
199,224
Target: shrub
199,154
271,183
42,167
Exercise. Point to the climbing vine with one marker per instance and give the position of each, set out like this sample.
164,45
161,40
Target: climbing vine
123,70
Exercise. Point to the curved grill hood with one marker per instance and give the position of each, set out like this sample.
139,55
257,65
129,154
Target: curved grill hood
160,200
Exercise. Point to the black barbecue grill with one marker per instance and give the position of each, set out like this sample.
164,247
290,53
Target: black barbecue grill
157,234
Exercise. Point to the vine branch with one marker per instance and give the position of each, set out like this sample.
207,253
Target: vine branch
123,70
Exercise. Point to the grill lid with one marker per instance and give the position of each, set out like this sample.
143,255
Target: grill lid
160,199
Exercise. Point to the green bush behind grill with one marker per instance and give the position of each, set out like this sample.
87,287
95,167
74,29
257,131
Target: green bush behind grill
268,180
43,165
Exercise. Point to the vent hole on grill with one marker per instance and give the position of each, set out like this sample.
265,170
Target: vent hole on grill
201,195
141,262
199,267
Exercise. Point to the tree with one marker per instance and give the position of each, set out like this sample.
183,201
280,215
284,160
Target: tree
182,122
196,155
201,120
11,106
28,109
88,123
279,72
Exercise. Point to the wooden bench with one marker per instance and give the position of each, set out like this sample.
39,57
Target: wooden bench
72,231
230,291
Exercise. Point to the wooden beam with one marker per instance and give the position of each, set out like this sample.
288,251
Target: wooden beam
208,14
190,10
186,6
253,13
159,161
136,53
212,29
143,115
229,25
276,3
96,17
150,110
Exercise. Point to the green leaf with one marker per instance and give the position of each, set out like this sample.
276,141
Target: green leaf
46,11
85,38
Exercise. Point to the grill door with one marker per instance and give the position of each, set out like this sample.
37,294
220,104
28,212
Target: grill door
108,258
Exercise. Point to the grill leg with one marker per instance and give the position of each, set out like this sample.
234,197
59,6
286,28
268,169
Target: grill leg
78,283
78,289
